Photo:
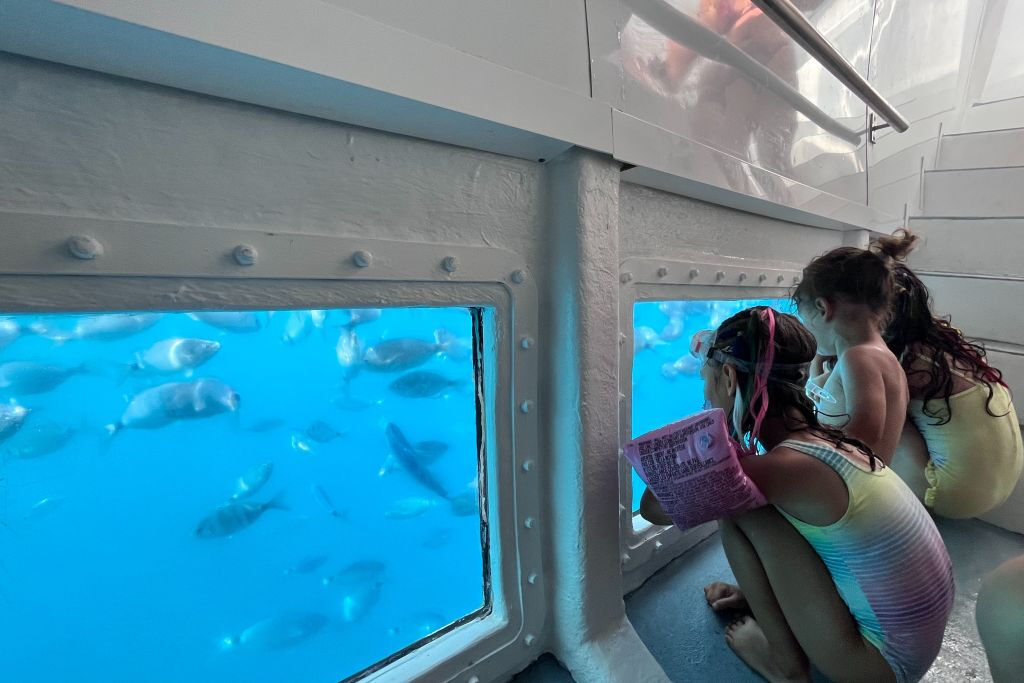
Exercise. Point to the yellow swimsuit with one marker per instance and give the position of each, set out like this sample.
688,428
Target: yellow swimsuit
975,458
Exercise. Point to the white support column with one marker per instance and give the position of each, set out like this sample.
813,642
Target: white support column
592,636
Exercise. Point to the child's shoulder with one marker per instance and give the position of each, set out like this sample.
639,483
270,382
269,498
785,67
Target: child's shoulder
861,355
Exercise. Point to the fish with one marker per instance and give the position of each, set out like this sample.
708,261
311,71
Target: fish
230,518
12,417
406,454
397,355
161,405
267,424
22,377
231,321
300,324
278,632
685,365
321,432
357,601
422,384
672,331
356,573
465,504
44,506
407,508
10,331
253,480
645,338
103,327
41,439
303,444
307,565
175,355
428,452
360,316
324,501
673,309
425,623
349,351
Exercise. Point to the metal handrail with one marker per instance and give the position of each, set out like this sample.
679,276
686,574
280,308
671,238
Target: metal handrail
791,20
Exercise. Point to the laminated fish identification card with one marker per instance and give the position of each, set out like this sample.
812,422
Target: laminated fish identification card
692,468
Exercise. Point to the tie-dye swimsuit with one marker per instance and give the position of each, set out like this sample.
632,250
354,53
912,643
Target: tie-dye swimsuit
888,563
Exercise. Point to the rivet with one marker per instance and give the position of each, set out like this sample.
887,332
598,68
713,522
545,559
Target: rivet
526,406
663,271
622,452
743,276
528,522
622,339
245,254
762,278
694,272
526,342
625,277
527,465
780,278
450,264
720,275
529,640
625,559
622,508
532,578
622,397
473,679
84,247
796,279
518,276
658,545
363,259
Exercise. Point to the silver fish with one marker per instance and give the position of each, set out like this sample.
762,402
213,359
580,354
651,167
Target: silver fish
407,508
27,377
41,439
428,452
307,565
44,506
167,403
673,330
9,332
324,501
232,321
673,309
360,316
396,355
357,601
300,324
357,573
229,518
279,632
645,338
465,504
686,365
321,432
253,480
12,417
349,350
422,384
303,444
104,327
405,453
177,354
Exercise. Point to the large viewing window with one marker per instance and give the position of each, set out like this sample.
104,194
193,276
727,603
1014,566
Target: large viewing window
237,495
666,378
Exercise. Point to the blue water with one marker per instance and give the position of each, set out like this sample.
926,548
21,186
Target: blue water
104,573
662,393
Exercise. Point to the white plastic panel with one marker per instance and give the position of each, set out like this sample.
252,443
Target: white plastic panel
723,75
975,193
1006,74
547,40
983,308
969,246
983,149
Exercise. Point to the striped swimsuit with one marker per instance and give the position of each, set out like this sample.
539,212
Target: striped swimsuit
888,562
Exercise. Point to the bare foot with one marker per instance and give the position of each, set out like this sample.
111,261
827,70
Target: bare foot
724,596
747,640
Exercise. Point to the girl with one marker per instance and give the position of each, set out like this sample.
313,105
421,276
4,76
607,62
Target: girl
844,298
844,570
971,455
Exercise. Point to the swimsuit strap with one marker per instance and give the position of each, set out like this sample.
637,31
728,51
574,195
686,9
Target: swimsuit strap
952,367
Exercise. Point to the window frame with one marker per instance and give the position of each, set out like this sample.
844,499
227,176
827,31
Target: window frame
645,548
147,266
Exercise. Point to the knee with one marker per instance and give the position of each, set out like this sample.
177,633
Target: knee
1000,618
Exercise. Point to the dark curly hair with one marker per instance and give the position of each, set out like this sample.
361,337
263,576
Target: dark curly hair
862,276
744,337
914,324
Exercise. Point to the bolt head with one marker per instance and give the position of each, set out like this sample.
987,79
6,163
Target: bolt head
527,465
529,640
526,406
245,254
529,522
473,679
720,275
658,545
780,278
662,272
694,272
518,276
84,247
526,342
362,259
625,559
796,279
450,264
625,277
762,277
743,276
532,578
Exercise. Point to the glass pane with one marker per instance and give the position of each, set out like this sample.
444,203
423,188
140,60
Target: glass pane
666,378
235,496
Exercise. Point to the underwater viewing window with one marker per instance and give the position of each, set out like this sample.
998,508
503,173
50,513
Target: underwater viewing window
289,495
666,378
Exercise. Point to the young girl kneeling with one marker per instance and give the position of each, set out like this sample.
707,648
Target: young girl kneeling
844,569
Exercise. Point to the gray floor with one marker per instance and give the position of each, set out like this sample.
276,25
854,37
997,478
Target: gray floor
685,637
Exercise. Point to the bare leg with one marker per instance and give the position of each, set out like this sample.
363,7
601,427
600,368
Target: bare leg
910,460
725,596
1000,616
795,601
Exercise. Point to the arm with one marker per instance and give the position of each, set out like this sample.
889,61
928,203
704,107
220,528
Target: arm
651,510
799,485
864,389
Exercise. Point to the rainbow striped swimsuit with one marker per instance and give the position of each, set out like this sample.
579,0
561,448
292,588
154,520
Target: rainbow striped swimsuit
888,562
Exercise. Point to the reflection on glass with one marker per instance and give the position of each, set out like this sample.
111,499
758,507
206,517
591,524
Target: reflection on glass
234,495
666,378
